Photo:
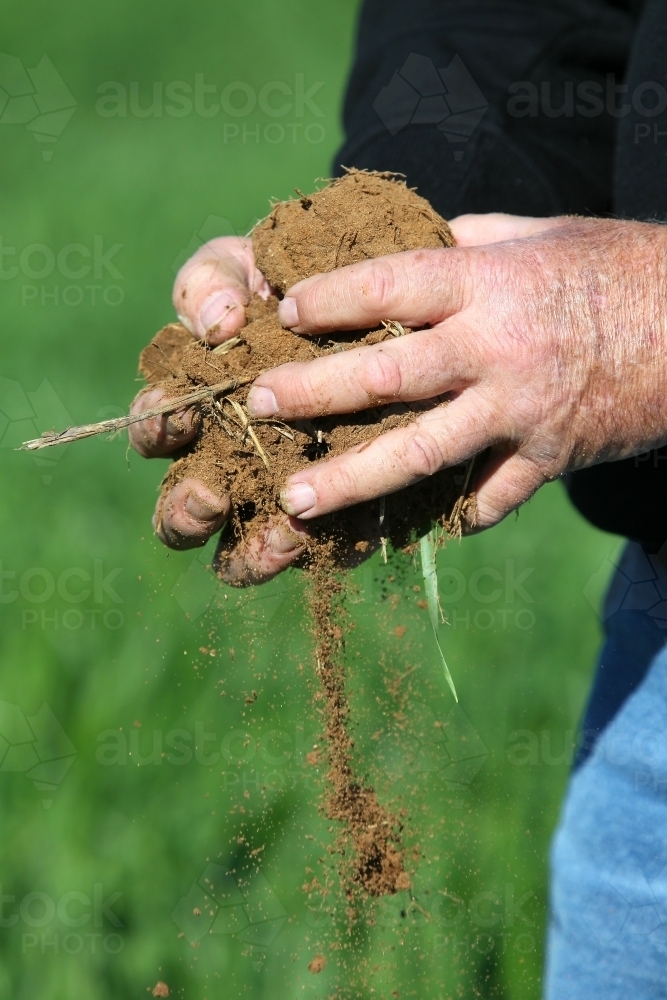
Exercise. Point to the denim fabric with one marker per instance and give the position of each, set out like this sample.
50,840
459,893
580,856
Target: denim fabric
635,619
608,930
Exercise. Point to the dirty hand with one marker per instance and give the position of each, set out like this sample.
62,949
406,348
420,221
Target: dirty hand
210,295
549,337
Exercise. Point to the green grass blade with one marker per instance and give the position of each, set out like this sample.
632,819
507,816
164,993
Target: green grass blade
427,546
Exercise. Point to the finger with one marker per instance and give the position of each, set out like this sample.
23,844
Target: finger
416,288
259,558
420,366
503,485
189,514
158,436
496,227
445,436
213,288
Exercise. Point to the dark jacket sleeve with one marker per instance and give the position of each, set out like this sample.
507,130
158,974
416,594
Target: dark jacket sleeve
488,106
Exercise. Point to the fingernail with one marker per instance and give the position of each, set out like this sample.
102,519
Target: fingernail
215,309
281,541
297,499
261,402
200,510
288,313
185,321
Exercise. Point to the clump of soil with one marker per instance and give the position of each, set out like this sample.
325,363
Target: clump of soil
317,964
359,216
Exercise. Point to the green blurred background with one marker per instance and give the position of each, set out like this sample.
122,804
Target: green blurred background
153,759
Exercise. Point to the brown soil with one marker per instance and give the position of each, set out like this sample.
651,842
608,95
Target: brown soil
376,865
317,964
359,216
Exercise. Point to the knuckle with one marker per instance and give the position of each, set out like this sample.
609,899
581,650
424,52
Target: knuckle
339,489
377,287
346,484
298,391
424,454
381,377
303,399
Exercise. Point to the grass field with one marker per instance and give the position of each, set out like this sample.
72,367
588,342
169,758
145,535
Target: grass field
153,760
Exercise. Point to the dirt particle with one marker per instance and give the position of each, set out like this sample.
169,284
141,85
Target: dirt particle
317,964
403,881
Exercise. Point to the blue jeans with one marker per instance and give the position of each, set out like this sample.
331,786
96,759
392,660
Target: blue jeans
608,926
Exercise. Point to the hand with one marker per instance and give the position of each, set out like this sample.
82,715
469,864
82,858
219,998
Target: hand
210,295
548,335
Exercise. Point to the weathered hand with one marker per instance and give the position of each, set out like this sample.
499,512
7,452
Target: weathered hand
210,295
548,335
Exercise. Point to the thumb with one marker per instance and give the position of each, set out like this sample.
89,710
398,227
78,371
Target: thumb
213,288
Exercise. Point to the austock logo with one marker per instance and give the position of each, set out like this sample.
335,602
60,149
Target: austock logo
36,745
236,100
56,922
241,905
633,906
37,98
448,748
213,227
199,590
639,583
420,94
75,262
24,415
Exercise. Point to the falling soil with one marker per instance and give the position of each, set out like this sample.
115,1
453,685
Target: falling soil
317,964
360,216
